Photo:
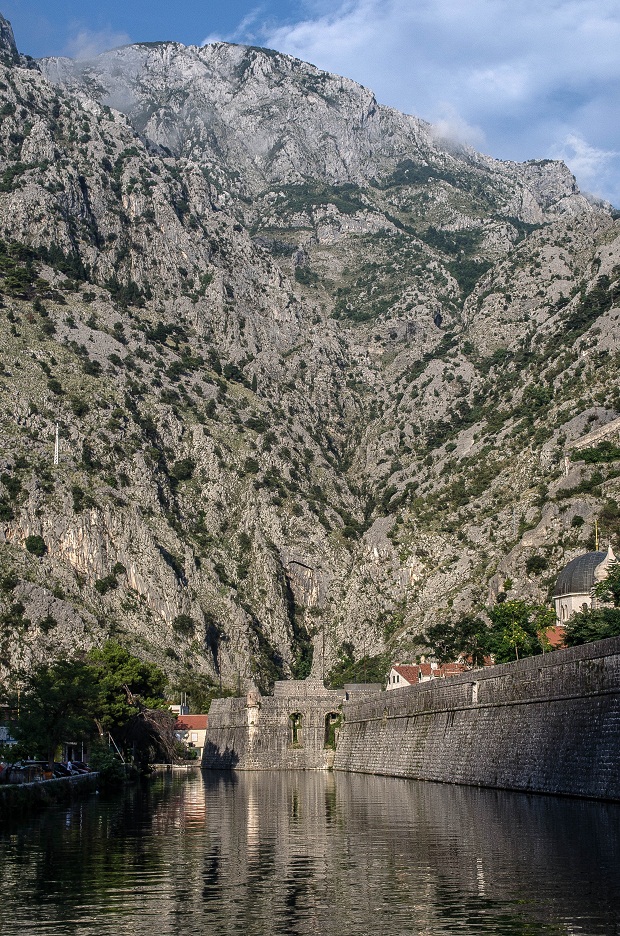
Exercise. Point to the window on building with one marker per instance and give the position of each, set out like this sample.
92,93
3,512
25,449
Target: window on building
295,722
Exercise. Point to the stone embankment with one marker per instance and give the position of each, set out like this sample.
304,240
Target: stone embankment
18,797
547,724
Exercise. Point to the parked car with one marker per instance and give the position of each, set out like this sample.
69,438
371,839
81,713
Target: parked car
27,771
80,767
61,770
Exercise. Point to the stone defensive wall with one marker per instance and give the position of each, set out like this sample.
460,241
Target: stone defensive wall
296,728
547,724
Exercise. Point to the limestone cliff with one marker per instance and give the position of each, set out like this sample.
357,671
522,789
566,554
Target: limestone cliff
314,378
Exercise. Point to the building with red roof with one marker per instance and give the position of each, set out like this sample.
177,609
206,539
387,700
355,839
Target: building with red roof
410,674
192,730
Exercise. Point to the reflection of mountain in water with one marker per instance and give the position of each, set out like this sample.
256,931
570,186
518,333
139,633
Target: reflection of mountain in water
317,853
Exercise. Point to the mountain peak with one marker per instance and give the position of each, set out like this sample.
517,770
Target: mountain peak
8,49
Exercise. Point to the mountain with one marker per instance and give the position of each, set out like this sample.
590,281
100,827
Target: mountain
315,370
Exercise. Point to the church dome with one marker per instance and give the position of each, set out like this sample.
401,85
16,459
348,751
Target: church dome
578,578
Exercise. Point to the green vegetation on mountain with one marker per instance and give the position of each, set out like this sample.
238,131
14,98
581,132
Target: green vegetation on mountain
317,382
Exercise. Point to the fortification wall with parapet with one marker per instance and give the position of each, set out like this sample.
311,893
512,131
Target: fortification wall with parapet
287,730
547,724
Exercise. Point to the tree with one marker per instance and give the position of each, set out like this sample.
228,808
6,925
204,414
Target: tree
592,624
56,705
200,690
519,629
609,589
349,670
131,704
467,638
35,544
184,625
125,684
109,691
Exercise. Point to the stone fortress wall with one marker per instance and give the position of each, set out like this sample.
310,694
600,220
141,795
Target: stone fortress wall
547,724
544,724
287,730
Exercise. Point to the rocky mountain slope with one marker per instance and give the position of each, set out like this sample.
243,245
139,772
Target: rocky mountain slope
315,371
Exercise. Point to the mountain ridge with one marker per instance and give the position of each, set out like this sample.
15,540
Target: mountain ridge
297,414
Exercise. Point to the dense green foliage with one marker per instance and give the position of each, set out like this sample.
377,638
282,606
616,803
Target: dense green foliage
592,624
603,452
516,629
35,544
519,629
468,637
125,684
609,589
108,692
57,703
367,669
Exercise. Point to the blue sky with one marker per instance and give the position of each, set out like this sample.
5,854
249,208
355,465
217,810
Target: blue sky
518,80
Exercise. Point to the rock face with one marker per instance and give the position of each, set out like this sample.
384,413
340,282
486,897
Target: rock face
314,378
8,49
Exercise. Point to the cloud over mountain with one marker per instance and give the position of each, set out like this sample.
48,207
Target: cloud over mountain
531,75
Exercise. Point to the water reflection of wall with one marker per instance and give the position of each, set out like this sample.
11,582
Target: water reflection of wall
333,854
316,854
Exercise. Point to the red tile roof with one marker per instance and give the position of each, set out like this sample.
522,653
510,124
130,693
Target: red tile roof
192,722
555,636
412,672
409,673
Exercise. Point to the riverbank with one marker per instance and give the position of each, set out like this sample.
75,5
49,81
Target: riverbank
19,797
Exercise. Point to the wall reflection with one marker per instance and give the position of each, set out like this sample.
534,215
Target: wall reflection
314,853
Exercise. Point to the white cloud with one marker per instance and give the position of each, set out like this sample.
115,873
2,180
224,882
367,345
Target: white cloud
87,44
452,128
517,74
595,168
251,28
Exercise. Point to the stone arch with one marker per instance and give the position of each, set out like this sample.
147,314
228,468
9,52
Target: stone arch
295,721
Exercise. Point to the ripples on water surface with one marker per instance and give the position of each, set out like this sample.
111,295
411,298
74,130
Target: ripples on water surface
313,853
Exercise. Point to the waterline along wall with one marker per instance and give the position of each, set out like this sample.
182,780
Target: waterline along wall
545,724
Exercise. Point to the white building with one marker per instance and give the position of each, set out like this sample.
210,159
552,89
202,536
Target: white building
192,729
410,674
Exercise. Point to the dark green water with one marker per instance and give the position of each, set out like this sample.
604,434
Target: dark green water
313,853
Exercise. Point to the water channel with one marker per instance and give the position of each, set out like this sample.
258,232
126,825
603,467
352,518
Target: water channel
314,854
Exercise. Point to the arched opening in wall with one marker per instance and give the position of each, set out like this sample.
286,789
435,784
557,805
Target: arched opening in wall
474,693
295,722
333,721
